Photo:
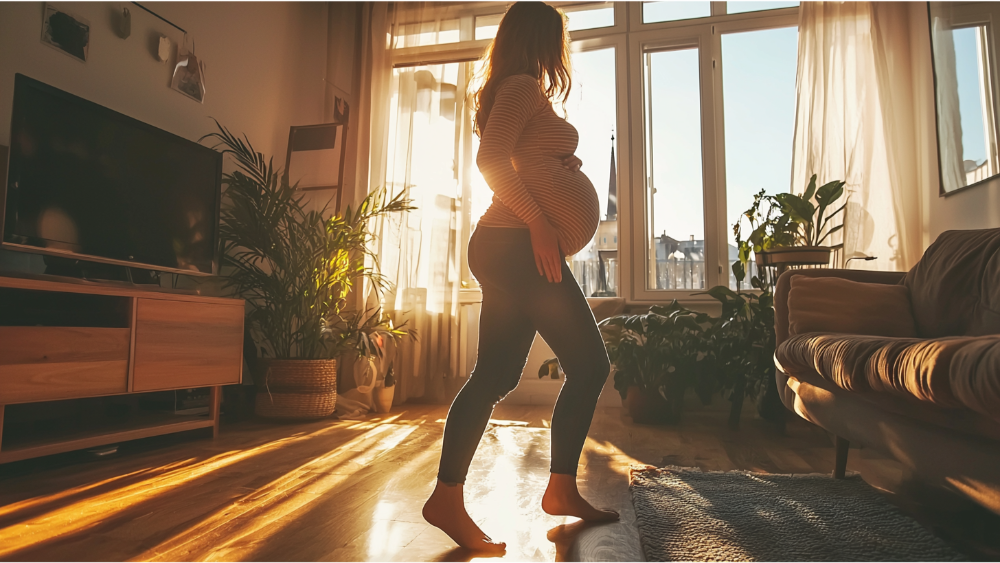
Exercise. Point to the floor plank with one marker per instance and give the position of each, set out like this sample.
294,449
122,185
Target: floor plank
352,490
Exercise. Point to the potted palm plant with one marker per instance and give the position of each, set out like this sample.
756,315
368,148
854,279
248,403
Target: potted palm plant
294,265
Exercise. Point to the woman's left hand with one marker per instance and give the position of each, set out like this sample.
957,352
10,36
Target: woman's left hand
573,163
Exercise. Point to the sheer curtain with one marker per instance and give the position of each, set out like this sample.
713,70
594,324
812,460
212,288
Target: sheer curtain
948,114
853,122
418,121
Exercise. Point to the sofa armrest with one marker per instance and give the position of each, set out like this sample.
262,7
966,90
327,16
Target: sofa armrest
784,284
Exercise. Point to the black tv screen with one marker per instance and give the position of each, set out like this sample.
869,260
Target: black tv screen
89,182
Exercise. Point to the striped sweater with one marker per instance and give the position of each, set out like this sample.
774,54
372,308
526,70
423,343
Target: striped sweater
520,156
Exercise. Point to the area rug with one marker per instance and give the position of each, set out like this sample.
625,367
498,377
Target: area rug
684,514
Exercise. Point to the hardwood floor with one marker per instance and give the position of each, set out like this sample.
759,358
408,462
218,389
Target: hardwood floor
352,490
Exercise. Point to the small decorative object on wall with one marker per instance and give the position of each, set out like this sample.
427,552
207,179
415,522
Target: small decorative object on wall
341,110
66,32
124,24
163,46
163,51
189,74
316,156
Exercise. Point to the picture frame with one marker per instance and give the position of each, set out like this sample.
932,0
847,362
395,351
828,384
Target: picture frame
66,32
189,76
315,157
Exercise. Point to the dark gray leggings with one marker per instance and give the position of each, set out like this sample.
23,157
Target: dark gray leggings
517,301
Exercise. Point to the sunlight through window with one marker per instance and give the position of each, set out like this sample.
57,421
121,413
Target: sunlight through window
674,194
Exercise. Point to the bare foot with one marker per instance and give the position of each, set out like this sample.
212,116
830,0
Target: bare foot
445,510
562,498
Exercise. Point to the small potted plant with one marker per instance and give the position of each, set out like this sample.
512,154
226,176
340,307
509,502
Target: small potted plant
383,394
789,228
294,265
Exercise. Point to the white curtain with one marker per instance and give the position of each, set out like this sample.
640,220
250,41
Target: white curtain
417,118
948,114
854,122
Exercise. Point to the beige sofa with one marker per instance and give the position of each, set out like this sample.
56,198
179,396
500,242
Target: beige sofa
931,401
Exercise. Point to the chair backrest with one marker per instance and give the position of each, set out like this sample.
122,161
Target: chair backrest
955,287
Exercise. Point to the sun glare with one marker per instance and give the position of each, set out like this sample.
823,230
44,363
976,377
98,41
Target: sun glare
255,513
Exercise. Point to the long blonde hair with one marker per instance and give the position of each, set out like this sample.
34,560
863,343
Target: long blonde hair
532,40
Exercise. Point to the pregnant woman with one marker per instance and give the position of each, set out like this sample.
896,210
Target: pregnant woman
543,209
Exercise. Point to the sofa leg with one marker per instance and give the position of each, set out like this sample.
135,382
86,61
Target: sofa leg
840,467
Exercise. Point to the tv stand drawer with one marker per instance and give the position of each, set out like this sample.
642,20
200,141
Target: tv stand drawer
40,363
184,344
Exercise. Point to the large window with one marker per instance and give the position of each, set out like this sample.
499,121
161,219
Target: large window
676,142
592,109
675,190
432,145
758,91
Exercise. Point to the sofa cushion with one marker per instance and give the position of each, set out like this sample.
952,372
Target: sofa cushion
920,368
975,376
843,306
954,289
909,367
837,358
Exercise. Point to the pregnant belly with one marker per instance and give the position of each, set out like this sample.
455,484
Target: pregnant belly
572,207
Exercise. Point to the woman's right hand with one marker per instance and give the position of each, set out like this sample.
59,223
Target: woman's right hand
545,244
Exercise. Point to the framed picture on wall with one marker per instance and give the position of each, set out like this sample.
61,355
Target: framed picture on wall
66,32
189,76
315,159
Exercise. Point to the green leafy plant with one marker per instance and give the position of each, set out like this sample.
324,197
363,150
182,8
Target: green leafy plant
809,211
742,342
744,338
661,352
787,219
294,265
769,228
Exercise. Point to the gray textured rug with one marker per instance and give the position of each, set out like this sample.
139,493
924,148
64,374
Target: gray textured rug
684,514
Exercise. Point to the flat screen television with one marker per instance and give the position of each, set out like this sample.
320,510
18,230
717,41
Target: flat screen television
87,182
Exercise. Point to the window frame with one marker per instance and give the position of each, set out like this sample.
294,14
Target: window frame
706,35
631,39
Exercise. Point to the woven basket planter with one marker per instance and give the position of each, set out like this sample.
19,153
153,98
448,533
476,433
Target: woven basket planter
296,389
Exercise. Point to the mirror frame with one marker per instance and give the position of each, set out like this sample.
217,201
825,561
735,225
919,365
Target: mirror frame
995,87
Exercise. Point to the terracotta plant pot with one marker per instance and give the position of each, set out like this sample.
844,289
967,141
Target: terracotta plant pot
383,398
648,407
296,389
802,255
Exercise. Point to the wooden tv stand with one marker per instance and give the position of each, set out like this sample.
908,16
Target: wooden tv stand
64,340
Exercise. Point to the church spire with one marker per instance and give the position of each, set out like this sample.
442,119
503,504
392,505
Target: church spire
613,186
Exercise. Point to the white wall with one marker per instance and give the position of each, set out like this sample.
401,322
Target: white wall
266,64
973,208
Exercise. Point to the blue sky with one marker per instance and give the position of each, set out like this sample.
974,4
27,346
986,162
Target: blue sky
759,104
969,88
758,75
